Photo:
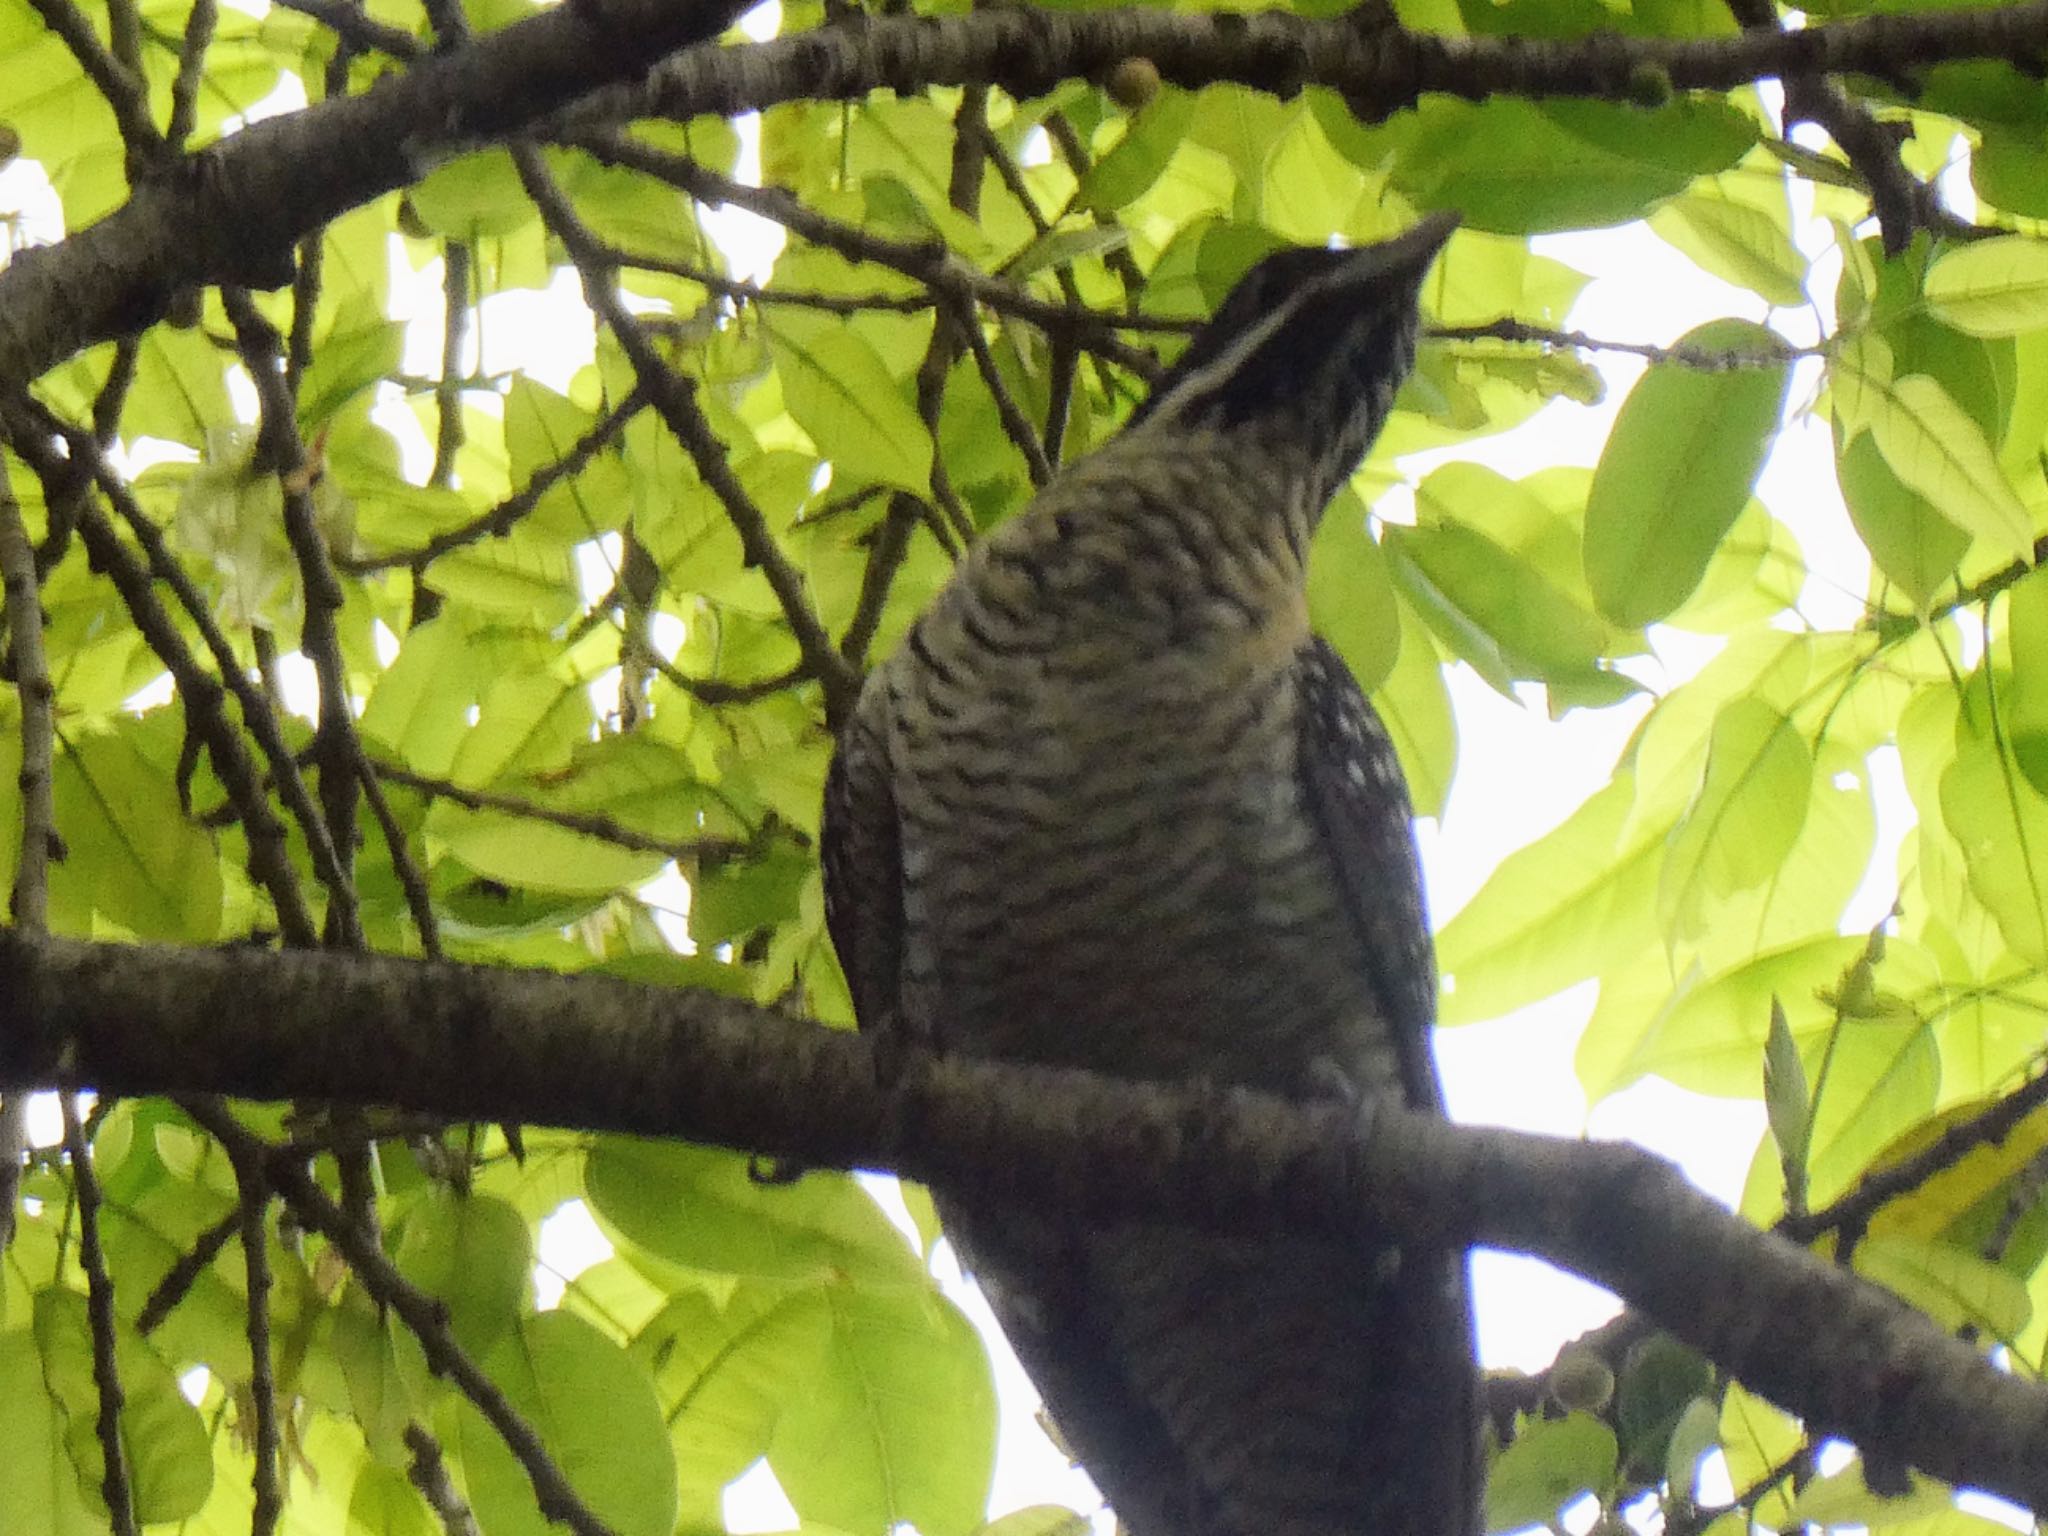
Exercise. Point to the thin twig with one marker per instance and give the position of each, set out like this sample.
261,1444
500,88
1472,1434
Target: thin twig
29,902
506,515
714,690
428,1472
119,83
426,1317
362,32
1015,423
1897,626
1685,355
253,1187
99,1304
676,398
887,550
589,824
199,694
740,291
199,25
30,434
1898,199
419,896
929,263
179,1279
1117,258
334,744
1988,1126
455,305
28,666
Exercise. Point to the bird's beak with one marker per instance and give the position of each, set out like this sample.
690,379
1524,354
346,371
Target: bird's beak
1409,253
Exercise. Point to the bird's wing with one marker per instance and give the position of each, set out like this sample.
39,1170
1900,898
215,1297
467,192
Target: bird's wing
861,852
1353,783
1355,791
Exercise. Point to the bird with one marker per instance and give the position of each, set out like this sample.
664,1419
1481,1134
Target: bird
1112,805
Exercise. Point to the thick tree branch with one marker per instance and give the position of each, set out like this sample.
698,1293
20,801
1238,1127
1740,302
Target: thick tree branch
476,1043
233,212
1380,70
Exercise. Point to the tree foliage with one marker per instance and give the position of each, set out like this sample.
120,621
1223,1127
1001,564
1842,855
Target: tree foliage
340,618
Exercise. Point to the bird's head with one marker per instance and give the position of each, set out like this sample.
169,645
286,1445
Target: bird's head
1307,352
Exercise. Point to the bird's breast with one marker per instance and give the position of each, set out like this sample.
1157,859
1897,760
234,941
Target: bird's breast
1116,868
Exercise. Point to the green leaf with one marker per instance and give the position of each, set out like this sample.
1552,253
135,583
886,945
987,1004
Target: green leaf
1136,160
1751,803
2000,824
1677,471
1692,1437
419,706
1551,1462
1938,451
1788,1105
1843,1498
699,1208
1554,912
2025,703
723,1370
1912,543
1039,1520
841,394
163,1436
527,723
525,852
1515,168
1737,242
1876,1077
132,856
523,576
595,1411
362,349
180,389
2009,169
1660,1381
472,1253
1993,287
1351,599
1415,707
1492,610
897,1424
1956,1288
1757,1437
1061,247
41,1491
385,1503
472,198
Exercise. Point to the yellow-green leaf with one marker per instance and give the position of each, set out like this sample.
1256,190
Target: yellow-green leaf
840,392
1991,287
1934,448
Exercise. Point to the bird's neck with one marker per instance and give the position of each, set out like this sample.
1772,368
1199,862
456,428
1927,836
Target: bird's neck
1166,539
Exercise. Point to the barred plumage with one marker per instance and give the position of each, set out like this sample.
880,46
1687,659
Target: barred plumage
1112,806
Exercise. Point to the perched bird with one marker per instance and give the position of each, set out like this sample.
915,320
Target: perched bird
1112,806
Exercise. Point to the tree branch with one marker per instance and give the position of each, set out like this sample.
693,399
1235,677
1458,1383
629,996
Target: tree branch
1380,69
426,1317
99,1301
233,212
487,1044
